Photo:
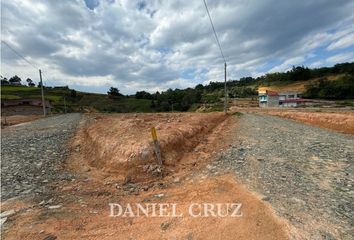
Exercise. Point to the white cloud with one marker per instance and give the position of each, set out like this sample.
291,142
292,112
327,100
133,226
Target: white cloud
149,45
342,57
346,41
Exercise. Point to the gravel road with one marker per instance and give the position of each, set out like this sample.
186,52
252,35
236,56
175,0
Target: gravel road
305,172
31,154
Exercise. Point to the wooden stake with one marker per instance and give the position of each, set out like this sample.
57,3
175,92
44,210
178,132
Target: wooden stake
157,146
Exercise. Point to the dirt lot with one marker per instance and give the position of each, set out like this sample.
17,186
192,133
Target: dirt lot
84,214
17,119
338,121
113,161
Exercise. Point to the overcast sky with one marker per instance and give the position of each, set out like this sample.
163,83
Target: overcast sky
154,45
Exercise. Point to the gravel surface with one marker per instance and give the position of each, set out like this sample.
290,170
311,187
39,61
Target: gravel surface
305,172
32,154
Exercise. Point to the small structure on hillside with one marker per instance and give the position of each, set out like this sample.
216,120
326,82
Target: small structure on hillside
269,98
24,107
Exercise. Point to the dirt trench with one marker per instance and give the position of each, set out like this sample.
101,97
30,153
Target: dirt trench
122,144
80,209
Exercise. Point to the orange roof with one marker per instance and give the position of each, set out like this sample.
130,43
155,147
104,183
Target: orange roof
271,93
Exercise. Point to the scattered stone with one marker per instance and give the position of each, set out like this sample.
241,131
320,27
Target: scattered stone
299,201
50,237
127,179
7,213
2,221
160,195
162,185
306,172
266,198
41,148
54,206
165,225
176,180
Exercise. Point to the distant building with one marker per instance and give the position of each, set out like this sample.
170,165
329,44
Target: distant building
24,107
269,98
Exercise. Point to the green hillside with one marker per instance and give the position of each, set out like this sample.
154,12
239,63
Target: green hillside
77,101
330,83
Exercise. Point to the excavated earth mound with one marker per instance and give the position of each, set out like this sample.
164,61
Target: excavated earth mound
123,143
341,122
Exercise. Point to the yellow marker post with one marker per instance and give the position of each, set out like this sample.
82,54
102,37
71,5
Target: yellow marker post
153,134
157,145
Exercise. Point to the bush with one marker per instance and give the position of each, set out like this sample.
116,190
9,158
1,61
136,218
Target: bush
342,88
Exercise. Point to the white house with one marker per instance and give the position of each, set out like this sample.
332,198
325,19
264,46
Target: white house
269,98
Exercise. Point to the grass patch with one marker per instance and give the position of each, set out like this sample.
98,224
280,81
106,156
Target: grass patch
17,88
9,97
346,103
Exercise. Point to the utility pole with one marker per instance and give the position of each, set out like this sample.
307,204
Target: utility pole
225,95
64,105
42,92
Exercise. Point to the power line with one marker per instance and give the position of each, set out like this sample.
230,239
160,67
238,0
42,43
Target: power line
40,74
216,36
18,54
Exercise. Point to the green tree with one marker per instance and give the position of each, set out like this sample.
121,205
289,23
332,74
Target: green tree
15,80
30,82
114,92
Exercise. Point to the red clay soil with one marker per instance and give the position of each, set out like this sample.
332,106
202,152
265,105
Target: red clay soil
85,214
339,121
121,144
101,158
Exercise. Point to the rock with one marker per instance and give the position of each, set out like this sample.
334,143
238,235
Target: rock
54,206
265,198
296,200
2,221
127,180
162,185
50,237
7,213
165,225
176,180
160,195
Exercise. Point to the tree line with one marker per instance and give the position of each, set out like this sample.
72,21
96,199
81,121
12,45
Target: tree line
16,80
182,100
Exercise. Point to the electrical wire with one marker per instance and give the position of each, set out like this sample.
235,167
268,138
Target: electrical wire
216,36
20,55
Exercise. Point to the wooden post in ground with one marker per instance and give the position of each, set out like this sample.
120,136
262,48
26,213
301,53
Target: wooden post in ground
225,93
156,145
42,93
